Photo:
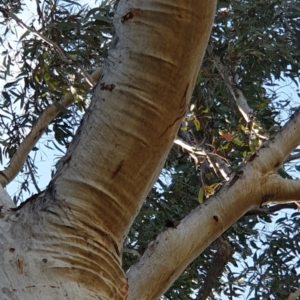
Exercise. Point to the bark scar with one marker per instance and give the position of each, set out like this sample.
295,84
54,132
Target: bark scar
118,169
127,17
107,87
216,218
182,107
20,264
235,178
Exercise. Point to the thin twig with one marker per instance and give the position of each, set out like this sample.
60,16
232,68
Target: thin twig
292,157
272,209
189,148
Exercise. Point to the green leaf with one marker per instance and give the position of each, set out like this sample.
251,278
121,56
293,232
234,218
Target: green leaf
197,124
200,195
92,12
26,33
72,2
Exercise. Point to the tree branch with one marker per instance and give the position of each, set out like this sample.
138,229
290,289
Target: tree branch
216,162
248,188
273,153
235,91
17,161
294,295
221,258
189,148
292,157
271,209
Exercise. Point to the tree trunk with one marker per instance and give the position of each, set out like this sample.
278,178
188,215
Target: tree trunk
66,242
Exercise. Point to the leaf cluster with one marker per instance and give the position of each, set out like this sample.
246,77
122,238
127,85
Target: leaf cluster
36,75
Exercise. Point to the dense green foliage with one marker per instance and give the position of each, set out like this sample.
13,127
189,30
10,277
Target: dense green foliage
258,44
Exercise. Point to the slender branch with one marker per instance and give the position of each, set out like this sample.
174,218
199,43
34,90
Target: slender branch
221,258
271,209
59,50
237,94
235,91
292,157
17,161
189,148
217,163
294,296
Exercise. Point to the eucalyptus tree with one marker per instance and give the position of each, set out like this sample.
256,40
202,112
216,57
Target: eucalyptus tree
117,87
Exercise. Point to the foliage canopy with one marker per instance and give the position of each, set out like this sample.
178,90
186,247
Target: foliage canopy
254,49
